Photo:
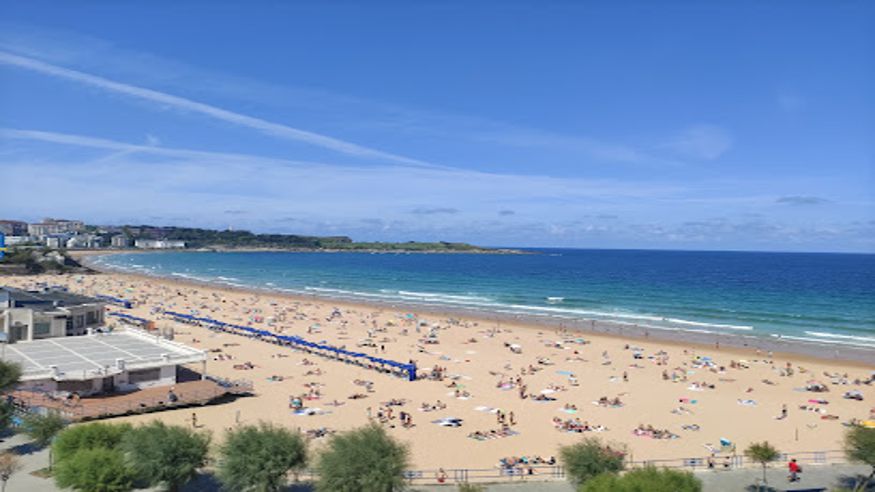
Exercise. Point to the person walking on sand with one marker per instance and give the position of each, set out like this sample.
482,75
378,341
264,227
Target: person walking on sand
193,420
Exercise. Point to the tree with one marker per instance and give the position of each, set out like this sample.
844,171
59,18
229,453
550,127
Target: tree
762,453
589,458
7,411
94,470
860,447
88,436
259,458
365,459
10,373
9,464
650,478
42,428
160,454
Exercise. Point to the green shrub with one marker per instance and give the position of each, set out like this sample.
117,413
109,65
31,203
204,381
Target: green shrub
589,458
649,479
42,428
94,470
470,487
362,460
163,455
258,458
859,447
10,373
88,436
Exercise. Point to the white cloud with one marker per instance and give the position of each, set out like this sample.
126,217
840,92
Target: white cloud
204,184
266,127
82,52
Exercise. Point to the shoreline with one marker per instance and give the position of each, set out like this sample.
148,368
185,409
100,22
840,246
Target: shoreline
750,345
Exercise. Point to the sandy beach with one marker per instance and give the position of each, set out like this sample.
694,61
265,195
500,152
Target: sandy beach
519,389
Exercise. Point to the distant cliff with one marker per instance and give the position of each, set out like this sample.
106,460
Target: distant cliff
244,240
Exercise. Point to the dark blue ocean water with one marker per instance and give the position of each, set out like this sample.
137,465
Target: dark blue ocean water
827,297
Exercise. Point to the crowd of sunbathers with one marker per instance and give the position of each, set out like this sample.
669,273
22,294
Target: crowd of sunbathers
385,415
514,461
504,431
427,407
609,402
576,425
650,431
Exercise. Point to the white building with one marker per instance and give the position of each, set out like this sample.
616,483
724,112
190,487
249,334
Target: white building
84,241
56,241
159,244
121,241
30,315
100,363
54,226
16,240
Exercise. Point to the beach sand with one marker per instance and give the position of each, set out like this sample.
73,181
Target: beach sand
661,387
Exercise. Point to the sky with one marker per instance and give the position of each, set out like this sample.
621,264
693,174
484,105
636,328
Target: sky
721,125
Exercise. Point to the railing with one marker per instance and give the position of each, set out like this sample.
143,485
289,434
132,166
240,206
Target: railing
76,412
542,472
740,461
497,474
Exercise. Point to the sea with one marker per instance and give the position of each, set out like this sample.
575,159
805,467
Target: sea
810,297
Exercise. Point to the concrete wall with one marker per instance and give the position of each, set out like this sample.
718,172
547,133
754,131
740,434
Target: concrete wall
121,382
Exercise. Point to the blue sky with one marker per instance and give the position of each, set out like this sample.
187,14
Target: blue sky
689,125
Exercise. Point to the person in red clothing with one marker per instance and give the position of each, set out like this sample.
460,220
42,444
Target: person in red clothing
795,470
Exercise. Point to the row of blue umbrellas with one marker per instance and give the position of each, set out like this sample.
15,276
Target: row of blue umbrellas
122,302
296,340
129,317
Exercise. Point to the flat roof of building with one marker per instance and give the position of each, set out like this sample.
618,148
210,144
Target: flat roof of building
47,299
92,356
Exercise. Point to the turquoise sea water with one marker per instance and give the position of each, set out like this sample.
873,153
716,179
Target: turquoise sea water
824,297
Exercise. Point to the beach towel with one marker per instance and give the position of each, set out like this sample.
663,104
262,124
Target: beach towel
486,409
310,411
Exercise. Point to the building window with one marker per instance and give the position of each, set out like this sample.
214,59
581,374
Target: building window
91,317
80,321
41,329
144,375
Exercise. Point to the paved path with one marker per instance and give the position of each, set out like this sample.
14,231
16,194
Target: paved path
736,480
30,460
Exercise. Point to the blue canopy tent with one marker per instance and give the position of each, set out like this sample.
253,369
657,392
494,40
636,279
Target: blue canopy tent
115,300
297,341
